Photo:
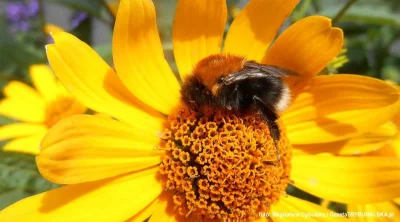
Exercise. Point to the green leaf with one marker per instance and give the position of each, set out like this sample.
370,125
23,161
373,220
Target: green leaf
11,196
365,13
18,171
93,7
15,55
90,6
105,51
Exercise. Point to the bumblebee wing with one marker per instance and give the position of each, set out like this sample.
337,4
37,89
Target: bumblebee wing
270,69
252,70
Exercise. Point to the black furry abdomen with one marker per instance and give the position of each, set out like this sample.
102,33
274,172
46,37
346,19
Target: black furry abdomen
237,97
240,96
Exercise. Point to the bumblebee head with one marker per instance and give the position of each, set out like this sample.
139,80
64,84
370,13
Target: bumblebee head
212,69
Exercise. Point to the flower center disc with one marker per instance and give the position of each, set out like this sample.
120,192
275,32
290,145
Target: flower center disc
223,166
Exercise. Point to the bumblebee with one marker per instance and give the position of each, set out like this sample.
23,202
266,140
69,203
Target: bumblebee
230,82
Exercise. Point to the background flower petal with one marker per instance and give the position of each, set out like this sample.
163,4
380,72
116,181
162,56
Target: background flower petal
139,57
197,31
362,144
294,205
336,107
255,27
44,81
307,46
106,200
22,110
27,144
21,129
21,91
377,209
51,28
23,103
348,179
95,84
84,148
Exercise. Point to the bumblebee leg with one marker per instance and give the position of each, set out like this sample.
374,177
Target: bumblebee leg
269,116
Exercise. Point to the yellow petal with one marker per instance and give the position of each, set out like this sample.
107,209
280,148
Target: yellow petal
106,200
21,91
255,27
397,201
391,149
84,148
362,144
44,81
23,110
166,210
197,31
292,208
337,107
28,144
307,46
94,83
139,58
375,212
20,129
22,102
370,141
348,179
145,213
51,28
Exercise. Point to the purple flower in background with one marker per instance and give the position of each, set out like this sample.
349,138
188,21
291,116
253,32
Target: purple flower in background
19,14
32,8
78,18
15,11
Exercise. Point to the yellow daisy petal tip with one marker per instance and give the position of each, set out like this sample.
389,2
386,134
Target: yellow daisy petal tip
46,47
62,37
248,35
327,22
57,36
50,28
313,44
137,49
338,32
35,67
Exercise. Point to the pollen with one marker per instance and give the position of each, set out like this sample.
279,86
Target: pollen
62,107
223,166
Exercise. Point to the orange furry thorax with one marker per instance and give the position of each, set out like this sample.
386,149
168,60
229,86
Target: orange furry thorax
214,67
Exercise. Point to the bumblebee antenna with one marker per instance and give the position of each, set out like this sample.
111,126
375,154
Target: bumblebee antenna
269,115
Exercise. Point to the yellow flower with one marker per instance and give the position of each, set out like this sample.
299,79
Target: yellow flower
36,111
387,147
112,165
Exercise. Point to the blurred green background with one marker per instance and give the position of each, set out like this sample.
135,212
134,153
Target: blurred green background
372,48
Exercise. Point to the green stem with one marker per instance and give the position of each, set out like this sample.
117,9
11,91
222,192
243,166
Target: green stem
342,11
315,6
109,12
42,21
302,10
